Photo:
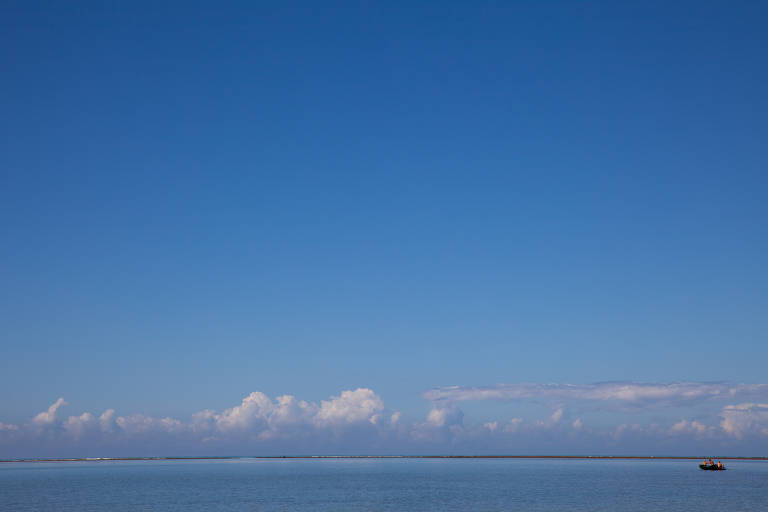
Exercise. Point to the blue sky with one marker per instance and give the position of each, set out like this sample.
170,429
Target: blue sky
198,202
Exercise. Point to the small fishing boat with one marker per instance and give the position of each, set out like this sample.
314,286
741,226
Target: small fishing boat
711,467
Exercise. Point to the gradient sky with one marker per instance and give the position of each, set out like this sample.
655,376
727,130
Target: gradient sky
201,201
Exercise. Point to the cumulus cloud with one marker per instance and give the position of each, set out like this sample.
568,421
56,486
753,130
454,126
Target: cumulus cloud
444,423
257,418
293,425
251,414
107,422
139,424
622,394
360,405
259,415
691,428
48,417
290,411
745,419
552,421
442,416
77,426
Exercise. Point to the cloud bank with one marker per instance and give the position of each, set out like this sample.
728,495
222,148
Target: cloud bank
618,394
358,422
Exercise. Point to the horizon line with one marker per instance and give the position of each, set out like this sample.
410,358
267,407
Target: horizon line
271,457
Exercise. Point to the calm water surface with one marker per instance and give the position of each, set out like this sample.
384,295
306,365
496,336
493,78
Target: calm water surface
400,484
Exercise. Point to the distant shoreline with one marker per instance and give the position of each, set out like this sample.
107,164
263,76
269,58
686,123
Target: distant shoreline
583,457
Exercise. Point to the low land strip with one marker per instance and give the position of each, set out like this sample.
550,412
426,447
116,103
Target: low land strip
606,457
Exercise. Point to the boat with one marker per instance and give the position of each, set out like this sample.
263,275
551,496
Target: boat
711,467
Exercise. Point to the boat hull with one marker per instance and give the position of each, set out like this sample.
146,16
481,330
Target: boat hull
707,467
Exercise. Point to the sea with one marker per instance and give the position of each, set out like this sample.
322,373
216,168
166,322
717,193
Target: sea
382,485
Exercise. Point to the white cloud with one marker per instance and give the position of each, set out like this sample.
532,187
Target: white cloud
360,405
445,416
552,421
444,423
203,421
360,416
251,414
256,417
139,424
745,419
76,426
107,421
49,417
623,394
692,427
289,412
